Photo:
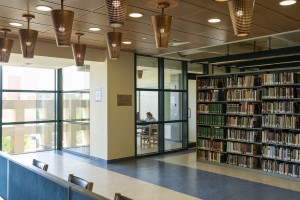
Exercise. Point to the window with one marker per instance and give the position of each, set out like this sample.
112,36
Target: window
28,109
76,110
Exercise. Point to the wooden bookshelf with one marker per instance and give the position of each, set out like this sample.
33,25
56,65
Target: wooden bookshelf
254,117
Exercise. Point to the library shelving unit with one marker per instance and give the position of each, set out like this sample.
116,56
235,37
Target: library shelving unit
250,119
280,123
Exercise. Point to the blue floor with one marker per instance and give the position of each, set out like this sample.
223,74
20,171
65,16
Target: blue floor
197,183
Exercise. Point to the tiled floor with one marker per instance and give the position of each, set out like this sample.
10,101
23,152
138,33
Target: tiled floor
171,176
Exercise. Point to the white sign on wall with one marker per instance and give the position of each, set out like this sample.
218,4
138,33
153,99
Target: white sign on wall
98,94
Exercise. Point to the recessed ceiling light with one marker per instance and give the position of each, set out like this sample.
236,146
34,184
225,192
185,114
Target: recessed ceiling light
43,8
135,15
214,20
144,38
94,29
287,2
15,24
126,42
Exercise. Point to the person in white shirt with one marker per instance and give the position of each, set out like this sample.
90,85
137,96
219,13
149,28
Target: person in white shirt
150,117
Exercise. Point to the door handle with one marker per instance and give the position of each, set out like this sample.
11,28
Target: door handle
189,113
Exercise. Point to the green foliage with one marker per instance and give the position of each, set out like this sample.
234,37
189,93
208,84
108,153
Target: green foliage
6,144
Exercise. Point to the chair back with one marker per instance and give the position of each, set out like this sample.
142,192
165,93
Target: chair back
118,196
40,164
153,129
80,182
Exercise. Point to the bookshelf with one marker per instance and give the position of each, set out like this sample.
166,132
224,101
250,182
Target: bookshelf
251,120
280,123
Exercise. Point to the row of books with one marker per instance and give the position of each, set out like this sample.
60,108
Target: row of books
242,121
282,153
280,107
243,135
211,108
277,167
280,121
243,94
280,78
242,161
279,92
211,156
243,108
209,83
285,138
243,148
211,95
212,145
212,119
243,81
209,132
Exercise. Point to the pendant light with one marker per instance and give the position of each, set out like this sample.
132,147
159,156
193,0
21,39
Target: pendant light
113,40
79,51
241,16
5,46
28,38
116,11
62,22
162,26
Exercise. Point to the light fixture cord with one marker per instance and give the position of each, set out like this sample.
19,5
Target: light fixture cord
28,24
162,10
5,34
79,39
27,6
62,4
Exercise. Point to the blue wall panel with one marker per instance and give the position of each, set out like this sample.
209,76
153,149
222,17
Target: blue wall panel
28,185
3,177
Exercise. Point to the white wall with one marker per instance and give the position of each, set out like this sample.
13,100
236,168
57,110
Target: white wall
121,118
192,105
98,111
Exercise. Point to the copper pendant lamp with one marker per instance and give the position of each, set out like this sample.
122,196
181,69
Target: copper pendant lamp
162,26
241,16
79,51
62,22
116,11
113,40
5,46
28,38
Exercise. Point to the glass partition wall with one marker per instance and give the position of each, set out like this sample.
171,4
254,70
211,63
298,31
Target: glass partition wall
161,105
44,109
76,110
28,109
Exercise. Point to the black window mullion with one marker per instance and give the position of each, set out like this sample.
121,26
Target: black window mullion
59,109
161,106
184,127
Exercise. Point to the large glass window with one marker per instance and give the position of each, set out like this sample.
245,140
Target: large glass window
173,106
173,74
173,136
147,72
76,110
160,108
76,106
21,78
28,109
20,138
147,101
27,106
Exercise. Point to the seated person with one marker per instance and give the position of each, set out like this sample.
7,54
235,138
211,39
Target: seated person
150,117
